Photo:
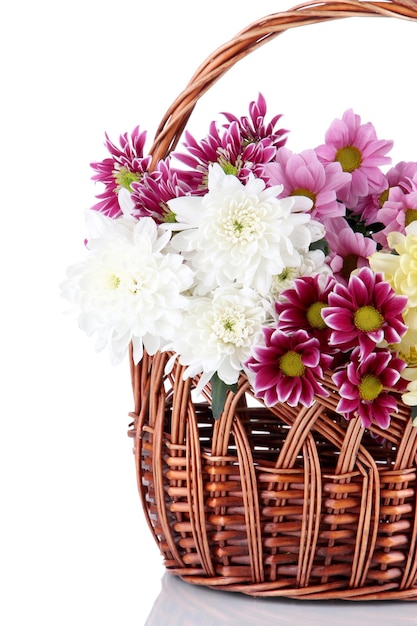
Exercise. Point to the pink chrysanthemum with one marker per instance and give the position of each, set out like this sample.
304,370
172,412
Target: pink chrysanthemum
126,164
397,212
349,250
304,175
403,175
364,386
240,147
366,209
356,147
300,307
152,192
288,368
364,312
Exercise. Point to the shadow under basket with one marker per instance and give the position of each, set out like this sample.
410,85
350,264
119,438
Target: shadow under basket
281,501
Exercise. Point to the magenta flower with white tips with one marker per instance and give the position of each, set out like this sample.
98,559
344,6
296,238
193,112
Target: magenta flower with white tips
254,128
364,313
301,306
365,385
288,368
151,193
125,165
241,146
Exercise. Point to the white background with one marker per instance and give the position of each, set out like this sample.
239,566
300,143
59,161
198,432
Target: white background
74,548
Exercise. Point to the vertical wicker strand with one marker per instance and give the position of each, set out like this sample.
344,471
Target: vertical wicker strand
346,464
409,579
251,502
311,518
406,457
196,494
142,432
369,519
297,436
367,527
158,457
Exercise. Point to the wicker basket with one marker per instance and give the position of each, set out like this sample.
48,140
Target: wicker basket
285,501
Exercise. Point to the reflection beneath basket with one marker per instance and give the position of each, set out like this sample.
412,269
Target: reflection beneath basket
183,604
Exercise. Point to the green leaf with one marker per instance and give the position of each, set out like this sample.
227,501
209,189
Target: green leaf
219,390
320,245
413,412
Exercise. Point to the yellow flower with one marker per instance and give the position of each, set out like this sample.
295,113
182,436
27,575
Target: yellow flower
385,262
410,396
407,347
400,269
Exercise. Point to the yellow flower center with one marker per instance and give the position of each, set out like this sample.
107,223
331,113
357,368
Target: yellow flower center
409,357
224,161
125,178
349,158
114,281
367,319
307,193
231,327
169,216
314,317
370,387
241,224
285,274
410,216
291,364
383,198
228,168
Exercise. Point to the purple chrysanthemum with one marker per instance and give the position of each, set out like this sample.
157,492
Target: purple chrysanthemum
254,129
240,147
126,164
356,147
364,312
150,195
288,368
364,386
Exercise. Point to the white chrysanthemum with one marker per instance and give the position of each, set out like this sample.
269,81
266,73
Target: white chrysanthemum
312,263
240,232
218,332
129,289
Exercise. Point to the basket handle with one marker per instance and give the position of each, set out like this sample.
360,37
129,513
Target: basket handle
252,37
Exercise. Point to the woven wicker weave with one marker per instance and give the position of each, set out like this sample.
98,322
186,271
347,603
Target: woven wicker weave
282,501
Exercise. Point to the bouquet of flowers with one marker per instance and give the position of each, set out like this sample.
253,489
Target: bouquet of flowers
235,253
